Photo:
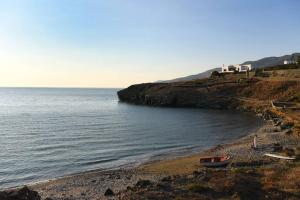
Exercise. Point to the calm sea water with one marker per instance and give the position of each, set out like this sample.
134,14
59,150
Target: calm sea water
47,133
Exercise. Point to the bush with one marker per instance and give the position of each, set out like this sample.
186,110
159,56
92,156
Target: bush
282,67
199,188
261,73
297,152
236,170
289,152
296,98
215,74
296,129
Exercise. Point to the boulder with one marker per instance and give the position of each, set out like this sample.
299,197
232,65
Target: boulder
143,183
166,179
109,192
22,194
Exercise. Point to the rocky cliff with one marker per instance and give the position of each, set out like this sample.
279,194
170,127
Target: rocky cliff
220,93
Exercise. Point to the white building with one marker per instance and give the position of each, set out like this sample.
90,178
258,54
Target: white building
286,62
238,68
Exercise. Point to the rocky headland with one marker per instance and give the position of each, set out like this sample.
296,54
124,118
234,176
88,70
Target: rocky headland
231,91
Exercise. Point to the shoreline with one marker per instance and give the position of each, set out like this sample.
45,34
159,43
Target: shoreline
217,150
151,158
93,184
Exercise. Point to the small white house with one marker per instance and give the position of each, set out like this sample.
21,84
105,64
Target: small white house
287,62
237,67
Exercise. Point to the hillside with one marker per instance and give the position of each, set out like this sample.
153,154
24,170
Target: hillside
264,62
272,61
192,77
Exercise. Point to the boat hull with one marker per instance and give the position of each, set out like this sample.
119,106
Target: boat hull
215,161
279,156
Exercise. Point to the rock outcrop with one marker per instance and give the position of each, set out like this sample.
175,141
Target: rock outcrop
218,93
177,95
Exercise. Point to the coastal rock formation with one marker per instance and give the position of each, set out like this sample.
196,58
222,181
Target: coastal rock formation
219,93
180,95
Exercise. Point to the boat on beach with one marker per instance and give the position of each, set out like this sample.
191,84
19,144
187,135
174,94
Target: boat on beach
218,161
279,156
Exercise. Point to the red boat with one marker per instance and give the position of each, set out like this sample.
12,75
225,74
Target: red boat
219,161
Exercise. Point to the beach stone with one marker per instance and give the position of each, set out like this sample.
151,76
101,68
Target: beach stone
164,186
289,152
190,176
198,174
166,179
182,179
23,194
143,183
289,132
285,126
109,192
129,188
277,147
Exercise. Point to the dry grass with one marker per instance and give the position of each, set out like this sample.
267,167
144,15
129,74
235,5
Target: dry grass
285,179
178,166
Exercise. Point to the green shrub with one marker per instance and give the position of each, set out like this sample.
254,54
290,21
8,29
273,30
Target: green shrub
247,93
296,98
198,188
260,73
215,74
282,67
237,170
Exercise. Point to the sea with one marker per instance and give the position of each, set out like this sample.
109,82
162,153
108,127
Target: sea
47,133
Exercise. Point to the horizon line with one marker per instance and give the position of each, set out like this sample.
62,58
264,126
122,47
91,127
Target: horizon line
57,87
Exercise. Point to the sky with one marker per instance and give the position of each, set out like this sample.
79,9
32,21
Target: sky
116,43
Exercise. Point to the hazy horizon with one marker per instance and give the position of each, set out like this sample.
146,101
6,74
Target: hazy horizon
116,43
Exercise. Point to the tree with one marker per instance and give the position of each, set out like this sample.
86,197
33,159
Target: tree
247,73
298,60
215,74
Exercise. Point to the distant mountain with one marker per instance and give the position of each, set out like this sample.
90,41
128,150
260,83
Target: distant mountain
264,62
272,61
192,77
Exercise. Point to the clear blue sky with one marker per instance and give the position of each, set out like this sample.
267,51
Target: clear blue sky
115,43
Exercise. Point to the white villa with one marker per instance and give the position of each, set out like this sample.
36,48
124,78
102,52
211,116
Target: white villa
237,67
